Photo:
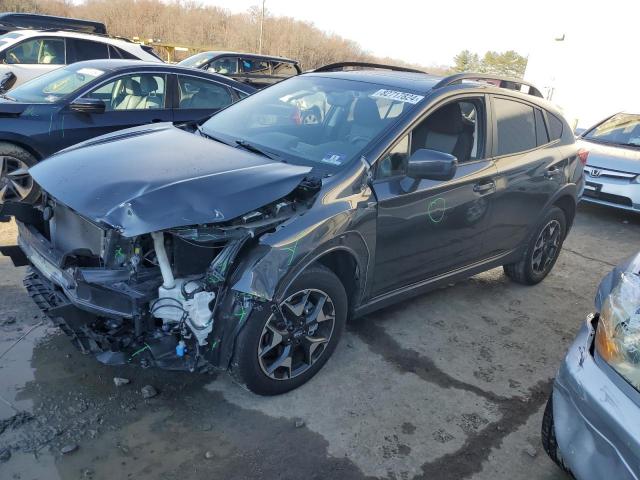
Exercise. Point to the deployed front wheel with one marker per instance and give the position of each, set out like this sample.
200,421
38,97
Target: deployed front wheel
280,350
542,251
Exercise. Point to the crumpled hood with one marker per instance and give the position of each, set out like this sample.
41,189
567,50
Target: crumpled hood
612,157
152,178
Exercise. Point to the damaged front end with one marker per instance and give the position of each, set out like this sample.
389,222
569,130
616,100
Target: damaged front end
161,298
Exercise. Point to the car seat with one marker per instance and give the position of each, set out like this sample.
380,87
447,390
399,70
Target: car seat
366,120
446,131
132,97
148,89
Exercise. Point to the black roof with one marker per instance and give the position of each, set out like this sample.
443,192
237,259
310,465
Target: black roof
13,21
217,53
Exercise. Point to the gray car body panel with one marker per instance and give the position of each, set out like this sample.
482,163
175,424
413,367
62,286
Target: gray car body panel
134,188
595,410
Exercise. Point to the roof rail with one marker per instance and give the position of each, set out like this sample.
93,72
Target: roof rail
509,83
103,35
332,67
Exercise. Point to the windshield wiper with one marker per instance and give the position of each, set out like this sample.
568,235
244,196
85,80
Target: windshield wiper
252,148
210,137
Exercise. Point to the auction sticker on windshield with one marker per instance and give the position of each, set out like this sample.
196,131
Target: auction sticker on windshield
398,96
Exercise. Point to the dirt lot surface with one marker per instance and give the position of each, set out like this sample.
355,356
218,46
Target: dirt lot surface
450,385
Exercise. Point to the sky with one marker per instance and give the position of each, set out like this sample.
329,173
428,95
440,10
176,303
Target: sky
433,32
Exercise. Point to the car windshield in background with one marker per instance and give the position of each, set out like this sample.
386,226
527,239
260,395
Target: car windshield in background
196,61
52,86
621,129
309,120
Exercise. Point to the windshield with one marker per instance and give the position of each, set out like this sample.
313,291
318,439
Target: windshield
9,38
52,86
312,120
196,60
621,129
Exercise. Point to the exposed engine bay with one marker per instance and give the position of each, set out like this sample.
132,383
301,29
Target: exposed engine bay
160,298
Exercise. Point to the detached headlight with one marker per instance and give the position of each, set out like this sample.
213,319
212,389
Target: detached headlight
618,334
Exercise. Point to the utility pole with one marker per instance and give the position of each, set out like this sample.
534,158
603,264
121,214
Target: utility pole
261,28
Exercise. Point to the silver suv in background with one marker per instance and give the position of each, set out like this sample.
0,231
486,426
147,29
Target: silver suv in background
612,171
30,53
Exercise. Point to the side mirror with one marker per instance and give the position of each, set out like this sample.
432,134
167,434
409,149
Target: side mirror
431,165
7,80
87,105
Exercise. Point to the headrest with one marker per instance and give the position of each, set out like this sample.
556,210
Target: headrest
132,87
447,119
365,112
148,84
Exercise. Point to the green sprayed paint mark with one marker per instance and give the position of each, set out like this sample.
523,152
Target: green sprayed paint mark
436,209
242,313
292,250
214,345
146,347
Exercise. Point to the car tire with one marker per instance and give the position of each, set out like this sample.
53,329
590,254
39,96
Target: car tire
548,436
543,249
252,368
15,183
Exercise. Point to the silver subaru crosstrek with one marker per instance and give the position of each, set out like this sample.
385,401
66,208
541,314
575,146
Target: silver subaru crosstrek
612,170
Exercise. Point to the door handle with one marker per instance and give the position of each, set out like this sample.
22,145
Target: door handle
484,187
551,171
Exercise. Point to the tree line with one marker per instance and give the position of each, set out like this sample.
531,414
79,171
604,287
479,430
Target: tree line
192,24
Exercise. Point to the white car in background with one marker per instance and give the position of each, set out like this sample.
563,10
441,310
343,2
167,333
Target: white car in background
612,170
30,53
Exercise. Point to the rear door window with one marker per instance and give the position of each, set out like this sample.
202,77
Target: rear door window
88,50
198,93
252,65
516,126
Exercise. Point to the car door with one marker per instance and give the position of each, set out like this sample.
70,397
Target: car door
198,98
34,56
428,227
131,99
530,170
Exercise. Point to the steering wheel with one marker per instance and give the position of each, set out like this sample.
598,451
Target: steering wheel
14,58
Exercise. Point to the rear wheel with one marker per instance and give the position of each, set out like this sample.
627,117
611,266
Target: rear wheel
278,351
542,251
16,185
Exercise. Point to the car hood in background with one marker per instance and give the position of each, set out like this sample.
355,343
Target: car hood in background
147,179
624,159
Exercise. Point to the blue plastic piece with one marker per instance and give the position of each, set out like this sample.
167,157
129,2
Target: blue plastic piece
181,348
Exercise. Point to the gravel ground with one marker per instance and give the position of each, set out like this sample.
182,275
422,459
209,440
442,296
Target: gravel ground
449,385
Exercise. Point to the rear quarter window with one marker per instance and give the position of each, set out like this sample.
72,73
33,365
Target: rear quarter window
555,126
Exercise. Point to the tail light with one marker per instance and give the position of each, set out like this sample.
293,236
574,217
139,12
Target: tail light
583,155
